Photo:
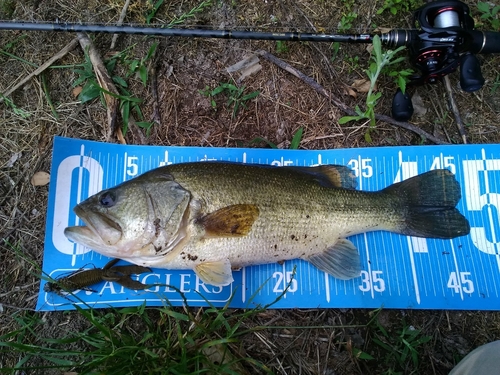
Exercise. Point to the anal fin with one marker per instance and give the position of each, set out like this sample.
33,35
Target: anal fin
341,260
215,273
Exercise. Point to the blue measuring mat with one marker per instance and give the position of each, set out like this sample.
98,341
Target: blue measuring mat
397,271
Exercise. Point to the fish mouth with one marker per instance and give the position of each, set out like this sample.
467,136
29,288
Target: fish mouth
99,230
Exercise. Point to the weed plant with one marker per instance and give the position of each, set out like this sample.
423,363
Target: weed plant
136,340
236,97
380,61
489,15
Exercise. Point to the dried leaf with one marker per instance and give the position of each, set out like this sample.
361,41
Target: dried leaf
361,85
40,178
244,64
222,355
350,92
248,71
418,105
76,91
382,30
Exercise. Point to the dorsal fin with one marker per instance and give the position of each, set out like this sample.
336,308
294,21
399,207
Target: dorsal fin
331,175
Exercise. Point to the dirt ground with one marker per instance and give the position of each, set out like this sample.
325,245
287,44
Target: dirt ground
179,71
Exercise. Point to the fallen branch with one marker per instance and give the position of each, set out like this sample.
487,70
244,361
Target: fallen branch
119,23
454,109
154,87
104,80
338,103
70,46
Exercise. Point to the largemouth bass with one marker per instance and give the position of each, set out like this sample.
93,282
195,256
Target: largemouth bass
215,217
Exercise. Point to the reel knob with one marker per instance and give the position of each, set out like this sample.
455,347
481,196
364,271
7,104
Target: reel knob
402,107
471,78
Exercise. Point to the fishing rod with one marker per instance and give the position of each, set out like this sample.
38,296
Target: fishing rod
443,39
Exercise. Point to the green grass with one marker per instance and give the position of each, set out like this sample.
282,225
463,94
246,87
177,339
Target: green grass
294,144
136,340
346,22
169,341
398,7
7,8
186,340
18,111
236,97
396,351
489,15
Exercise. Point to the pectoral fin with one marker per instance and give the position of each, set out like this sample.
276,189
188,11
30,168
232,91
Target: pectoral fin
341,260
215,273
230,221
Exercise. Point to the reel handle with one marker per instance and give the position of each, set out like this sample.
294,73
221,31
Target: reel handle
402,107
471,78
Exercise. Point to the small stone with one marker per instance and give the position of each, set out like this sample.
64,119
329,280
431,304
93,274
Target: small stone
40,178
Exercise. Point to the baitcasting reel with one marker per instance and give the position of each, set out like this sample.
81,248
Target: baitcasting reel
442,41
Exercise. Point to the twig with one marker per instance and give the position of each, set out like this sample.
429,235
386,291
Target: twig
16,307
136,131
70,46
342,106
120,21
105,82
154,88
47,96
19,289
454,109
315,46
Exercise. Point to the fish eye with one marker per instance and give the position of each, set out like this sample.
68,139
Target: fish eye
107,199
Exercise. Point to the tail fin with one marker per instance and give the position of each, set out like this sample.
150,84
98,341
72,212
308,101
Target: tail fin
429,202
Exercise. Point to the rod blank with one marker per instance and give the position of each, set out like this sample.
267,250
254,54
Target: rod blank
192,33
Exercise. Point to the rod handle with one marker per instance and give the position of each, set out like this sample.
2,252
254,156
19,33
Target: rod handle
485,42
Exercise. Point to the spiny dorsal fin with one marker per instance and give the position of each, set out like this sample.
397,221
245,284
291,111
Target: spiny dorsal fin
230,221
341,260
331,175
215,273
